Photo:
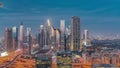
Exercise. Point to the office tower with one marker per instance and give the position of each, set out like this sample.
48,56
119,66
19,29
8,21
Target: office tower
41,37
75,33
62,29
8,40
86,39
28,31
29,40
68,30
47,34
15,37
57,39
38,38
62,26
67,39
52,37
52,31
21,35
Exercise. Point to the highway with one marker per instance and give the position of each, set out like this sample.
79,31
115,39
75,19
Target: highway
11,62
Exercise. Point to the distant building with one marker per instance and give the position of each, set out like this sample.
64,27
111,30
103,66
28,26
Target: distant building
62,26
68,38
21,35
86,39
8,40
53,37
86,35
62,29
29,40
41,37
57,39
47,34
15,37
75,34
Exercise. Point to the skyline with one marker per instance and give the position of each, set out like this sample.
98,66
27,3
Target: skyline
99,17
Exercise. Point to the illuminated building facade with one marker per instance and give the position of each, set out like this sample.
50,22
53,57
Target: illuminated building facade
41,37
62,29
15,37
29,40
75,33
47,34
8,40
21,35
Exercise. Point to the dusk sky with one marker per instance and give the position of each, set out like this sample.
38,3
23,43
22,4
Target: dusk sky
98,16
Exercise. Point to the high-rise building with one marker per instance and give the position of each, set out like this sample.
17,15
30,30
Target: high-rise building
52,37
29,39
47,34
28,31
67,39
8,40
86,39
85,36
21,35
41,37
75,33
52,31
15,37
62,29
57,39
62,26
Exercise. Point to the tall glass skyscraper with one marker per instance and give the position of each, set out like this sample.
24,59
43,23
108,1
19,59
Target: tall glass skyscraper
8,39
62,29
21,35
75,34
15,37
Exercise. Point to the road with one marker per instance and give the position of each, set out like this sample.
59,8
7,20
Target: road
11,62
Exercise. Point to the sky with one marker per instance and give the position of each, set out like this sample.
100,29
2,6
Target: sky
98,16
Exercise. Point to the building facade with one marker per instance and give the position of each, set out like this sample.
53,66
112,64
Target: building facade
8,40
21,38
75,33
15,37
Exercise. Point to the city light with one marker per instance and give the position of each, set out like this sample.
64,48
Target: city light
4,54
78,34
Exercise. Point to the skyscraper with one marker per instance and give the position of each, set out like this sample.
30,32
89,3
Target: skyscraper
86,40
29,39
15,37
21,35
57,39
75,34
52,37
62,29
47,34
85,36
67,39
28,31
62,26
41,37
8,40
